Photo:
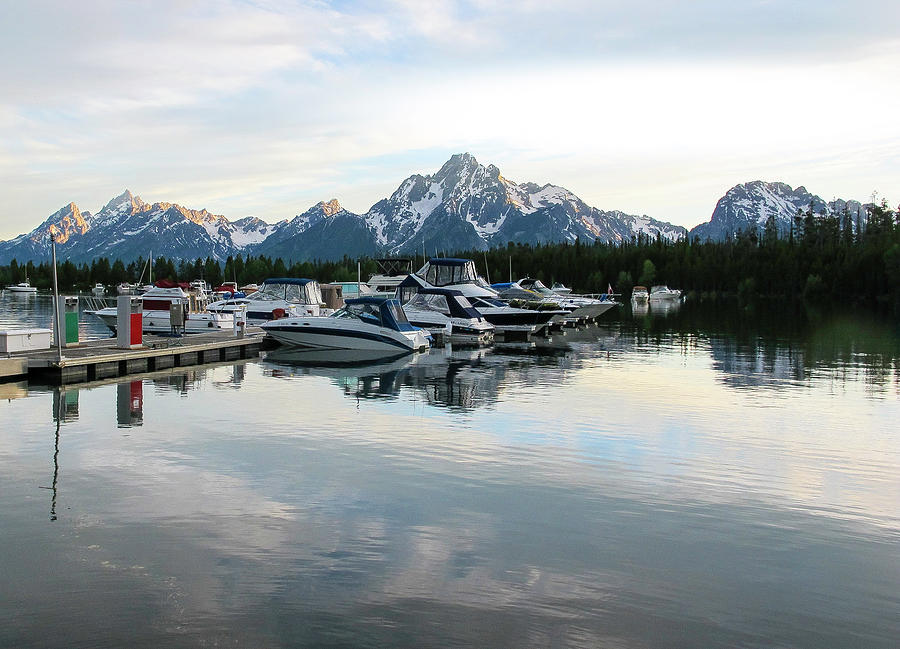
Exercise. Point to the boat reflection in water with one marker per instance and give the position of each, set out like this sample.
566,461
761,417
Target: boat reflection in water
362,373
451,376
664,307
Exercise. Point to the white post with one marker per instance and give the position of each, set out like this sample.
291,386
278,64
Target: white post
56,310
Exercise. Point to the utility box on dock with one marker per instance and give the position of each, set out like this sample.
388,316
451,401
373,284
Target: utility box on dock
129,322
240,321
23,340
68,321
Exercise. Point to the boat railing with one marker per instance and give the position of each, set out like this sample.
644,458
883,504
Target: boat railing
94,303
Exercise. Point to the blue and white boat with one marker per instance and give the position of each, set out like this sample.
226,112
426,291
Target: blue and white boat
277,297
460,275
448,311
365,323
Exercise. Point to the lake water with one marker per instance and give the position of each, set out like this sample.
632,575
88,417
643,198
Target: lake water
709,477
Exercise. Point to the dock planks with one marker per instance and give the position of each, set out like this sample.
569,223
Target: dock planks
101,359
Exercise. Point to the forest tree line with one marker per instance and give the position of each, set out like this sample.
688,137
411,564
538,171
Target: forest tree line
819,259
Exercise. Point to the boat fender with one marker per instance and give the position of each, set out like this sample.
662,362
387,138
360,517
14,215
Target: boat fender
277,314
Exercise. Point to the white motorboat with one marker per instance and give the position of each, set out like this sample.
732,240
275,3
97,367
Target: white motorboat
447,311
22,287
460,274
640,295
390,273
278,297
99,290
365,323
578,306
664,293
560,289
157,313
126,289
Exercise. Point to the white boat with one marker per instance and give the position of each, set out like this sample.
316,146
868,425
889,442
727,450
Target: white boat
99,290
578,306
640,295
277,297
390,273
157,317
560,289
366,323
664,293
460,274
448,311
126,289
22,287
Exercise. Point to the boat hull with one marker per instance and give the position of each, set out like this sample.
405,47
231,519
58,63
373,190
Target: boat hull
331,333
158,321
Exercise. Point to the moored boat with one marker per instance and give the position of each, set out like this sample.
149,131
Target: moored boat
366,323
460,274
662,293
447,311
640,295
157,304
22,287
277,297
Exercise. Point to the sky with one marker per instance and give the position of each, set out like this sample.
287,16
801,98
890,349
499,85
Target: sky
263,108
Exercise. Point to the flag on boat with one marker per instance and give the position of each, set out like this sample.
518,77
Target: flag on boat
609,289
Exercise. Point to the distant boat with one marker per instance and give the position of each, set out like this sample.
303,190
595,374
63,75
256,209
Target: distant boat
99,290
662,293
640,295
277,297
560,288
390,273
22,287
157,318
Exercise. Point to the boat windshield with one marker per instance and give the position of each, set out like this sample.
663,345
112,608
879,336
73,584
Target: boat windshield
396,310
423,302
537,286
480,302
438,274
367,312
307,293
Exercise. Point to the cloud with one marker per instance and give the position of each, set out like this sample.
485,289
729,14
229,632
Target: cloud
267,107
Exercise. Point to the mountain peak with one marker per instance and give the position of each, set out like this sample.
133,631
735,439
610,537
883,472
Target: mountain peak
330,208
125,199
458,161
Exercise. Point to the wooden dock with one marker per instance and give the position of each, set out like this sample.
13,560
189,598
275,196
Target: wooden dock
101,359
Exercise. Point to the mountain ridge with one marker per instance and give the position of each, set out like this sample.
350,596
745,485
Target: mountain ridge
465,205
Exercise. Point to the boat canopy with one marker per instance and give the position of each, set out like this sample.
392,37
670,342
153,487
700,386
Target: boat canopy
447,271
376,311
444,300
290,289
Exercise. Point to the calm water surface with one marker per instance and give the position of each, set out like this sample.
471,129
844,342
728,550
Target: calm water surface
703,478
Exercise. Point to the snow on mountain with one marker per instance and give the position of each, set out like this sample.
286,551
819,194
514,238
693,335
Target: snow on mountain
464,205
749,205
469,205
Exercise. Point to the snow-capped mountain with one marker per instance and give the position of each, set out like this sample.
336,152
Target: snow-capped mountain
748,206
464,205
127,228
67,223
325,231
